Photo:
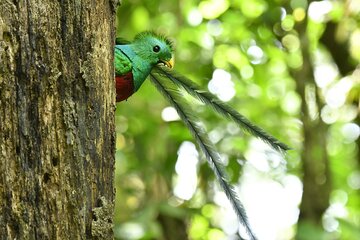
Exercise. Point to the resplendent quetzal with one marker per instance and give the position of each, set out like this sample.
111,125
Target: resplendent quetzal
134,62
144,57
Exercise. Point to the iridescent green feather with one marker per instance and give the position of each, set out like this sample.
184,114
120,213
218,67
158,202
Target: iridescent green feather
122,63
153,34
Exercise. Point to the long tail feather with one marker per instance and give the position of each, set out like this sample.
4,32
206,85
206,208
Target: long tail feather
213,158
222,108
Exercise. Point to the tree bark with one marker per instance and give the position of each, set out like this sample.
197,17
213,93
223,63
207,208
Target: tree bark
57,105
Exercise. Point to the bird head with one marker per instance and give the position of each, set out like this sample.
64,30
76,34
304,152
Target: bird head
154,48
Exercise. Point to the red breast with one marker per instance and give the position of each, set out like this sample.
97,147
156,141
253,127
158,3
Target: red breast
124,86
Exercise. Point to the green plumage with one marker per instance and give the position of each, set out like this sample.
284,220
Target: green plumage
122,63
141,55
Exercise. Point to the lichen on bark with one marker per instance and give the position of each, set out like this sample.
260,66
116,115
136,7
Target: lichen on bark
57,124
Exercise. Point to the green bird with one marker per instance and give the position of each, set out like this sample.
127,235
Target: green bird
136,61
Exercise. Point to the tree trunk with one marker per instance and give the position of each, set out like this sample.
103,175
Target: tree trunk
315,160
57,105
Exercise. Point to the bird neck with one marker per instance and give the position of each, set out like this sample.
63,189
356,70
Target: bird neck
140,67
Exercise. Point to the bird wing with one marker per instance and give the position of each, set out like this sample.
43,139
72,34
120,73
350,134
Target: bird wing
123,64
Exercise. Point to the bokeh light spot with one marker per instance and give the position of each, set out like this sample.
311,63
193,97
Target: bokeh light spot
221,85
213,8
318,10
351,132
299,14
256,54
194,17
291,42
169,114
214,27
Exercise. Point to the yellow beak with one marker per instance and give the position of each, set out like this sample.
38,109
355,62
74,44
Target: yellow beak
170,63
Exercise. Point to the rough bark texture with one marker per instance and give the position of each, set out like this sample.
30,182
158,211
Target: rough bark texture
56,119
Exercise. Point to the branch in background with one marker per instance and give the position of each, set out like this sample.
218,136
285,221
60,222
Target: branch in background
338,50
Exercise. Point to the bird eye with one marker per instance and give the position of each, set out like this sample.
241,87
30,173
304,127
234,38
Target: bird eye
156,48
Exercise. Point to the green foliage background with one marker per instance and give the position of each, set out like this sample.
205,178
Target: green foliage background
219,37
